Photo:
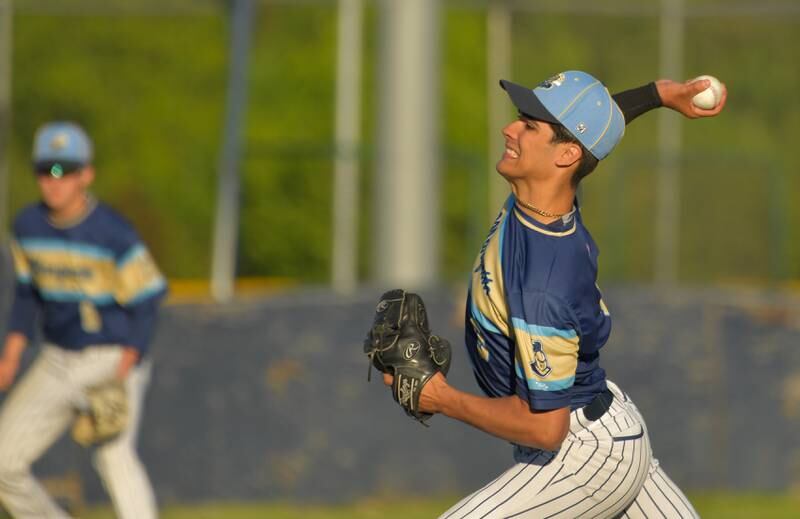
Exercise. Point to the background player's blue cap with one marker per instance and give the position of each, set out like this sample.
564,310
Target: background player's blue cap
61,143
577,101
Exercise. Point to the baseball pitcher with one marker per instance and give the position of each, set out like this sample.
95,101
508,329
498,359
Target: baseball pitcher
536,322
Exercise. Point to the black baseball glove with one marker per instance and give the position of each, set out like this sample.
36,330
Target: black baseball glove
400,343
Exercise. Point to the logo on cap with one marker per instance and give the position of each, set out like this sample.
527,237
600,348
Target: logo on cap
556,80
59,141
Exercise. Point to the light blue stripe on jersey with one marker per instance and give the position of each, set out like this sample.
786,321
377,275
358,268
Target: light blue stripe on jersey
24,278
485,323
542,385
55,245
542,331
131,254
148,291
74,297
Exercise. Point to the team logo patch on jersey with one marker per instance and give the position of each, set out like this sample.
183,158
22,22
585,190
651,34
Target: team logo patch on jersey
540,364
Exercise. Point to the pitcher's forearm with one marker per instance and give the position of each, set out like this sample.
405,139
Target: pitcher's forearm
508,418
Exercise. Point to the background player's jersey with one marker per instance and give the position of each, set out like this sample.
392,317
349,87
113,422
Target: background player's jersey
94,282
535,319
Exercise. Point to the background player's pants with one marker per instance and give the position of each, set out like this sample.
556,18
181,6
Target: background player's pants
604,469
39,410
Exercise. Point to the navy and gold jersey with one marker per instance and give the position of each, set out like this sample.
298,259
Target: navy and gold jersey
535,318
94,282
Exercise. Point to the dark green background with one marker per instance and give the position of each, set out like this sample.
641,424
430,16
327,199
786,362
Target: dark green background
151,91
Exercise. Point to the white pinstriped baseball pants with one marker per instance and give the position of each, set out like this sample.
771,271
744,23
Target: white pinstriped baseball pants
39,410
604,469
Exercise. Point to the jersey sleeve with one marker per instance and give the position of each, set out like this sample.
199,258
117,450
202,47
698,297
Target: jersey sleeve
138,276
25,305
546,351
139,289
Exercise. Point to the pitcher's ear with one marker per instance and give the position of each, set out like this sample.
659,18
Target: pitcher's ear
570,154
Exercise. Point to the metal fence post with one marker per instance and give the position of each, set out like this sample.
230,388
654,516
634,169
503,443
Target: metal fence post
226,225
667,224
346,170
407,216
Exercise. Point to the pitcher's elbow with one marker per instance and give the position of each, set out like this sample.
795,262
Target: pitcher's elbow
551,438
553,443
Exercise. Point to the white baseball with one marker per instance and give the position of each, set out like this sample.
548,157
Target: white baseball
711,96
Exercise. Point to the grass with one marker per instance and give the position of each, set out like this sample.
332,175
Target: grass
716,505
368,509
724,505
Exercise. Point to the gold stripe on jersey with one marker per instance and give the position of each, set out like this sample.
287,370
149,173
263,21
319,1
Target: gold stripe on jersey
489,307
138,276
21,266
529,225
483,351
603,306
69,275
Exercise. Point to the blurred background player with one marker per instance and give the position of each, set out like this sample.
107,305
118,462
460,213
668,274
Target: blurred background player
535,320
83,271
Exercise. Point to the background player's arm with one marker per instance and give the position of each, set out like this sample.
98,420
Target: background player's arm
9,361
142,315
130,356
22,318
140,290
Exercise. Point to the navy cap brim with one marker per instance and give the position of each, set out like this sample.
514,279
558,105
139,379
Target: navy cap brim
527,102
65,165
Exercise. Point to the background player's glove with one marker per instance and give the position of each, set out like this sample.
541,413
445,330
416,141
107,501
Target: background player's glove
400,343
105,417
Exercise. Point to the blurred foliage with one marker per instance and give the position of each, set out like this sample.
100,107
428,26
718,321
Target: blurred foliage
150,88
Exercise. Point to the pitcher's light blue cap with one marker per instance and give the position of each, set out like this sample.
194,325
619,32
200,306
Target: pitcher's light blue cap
579,102
61,142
